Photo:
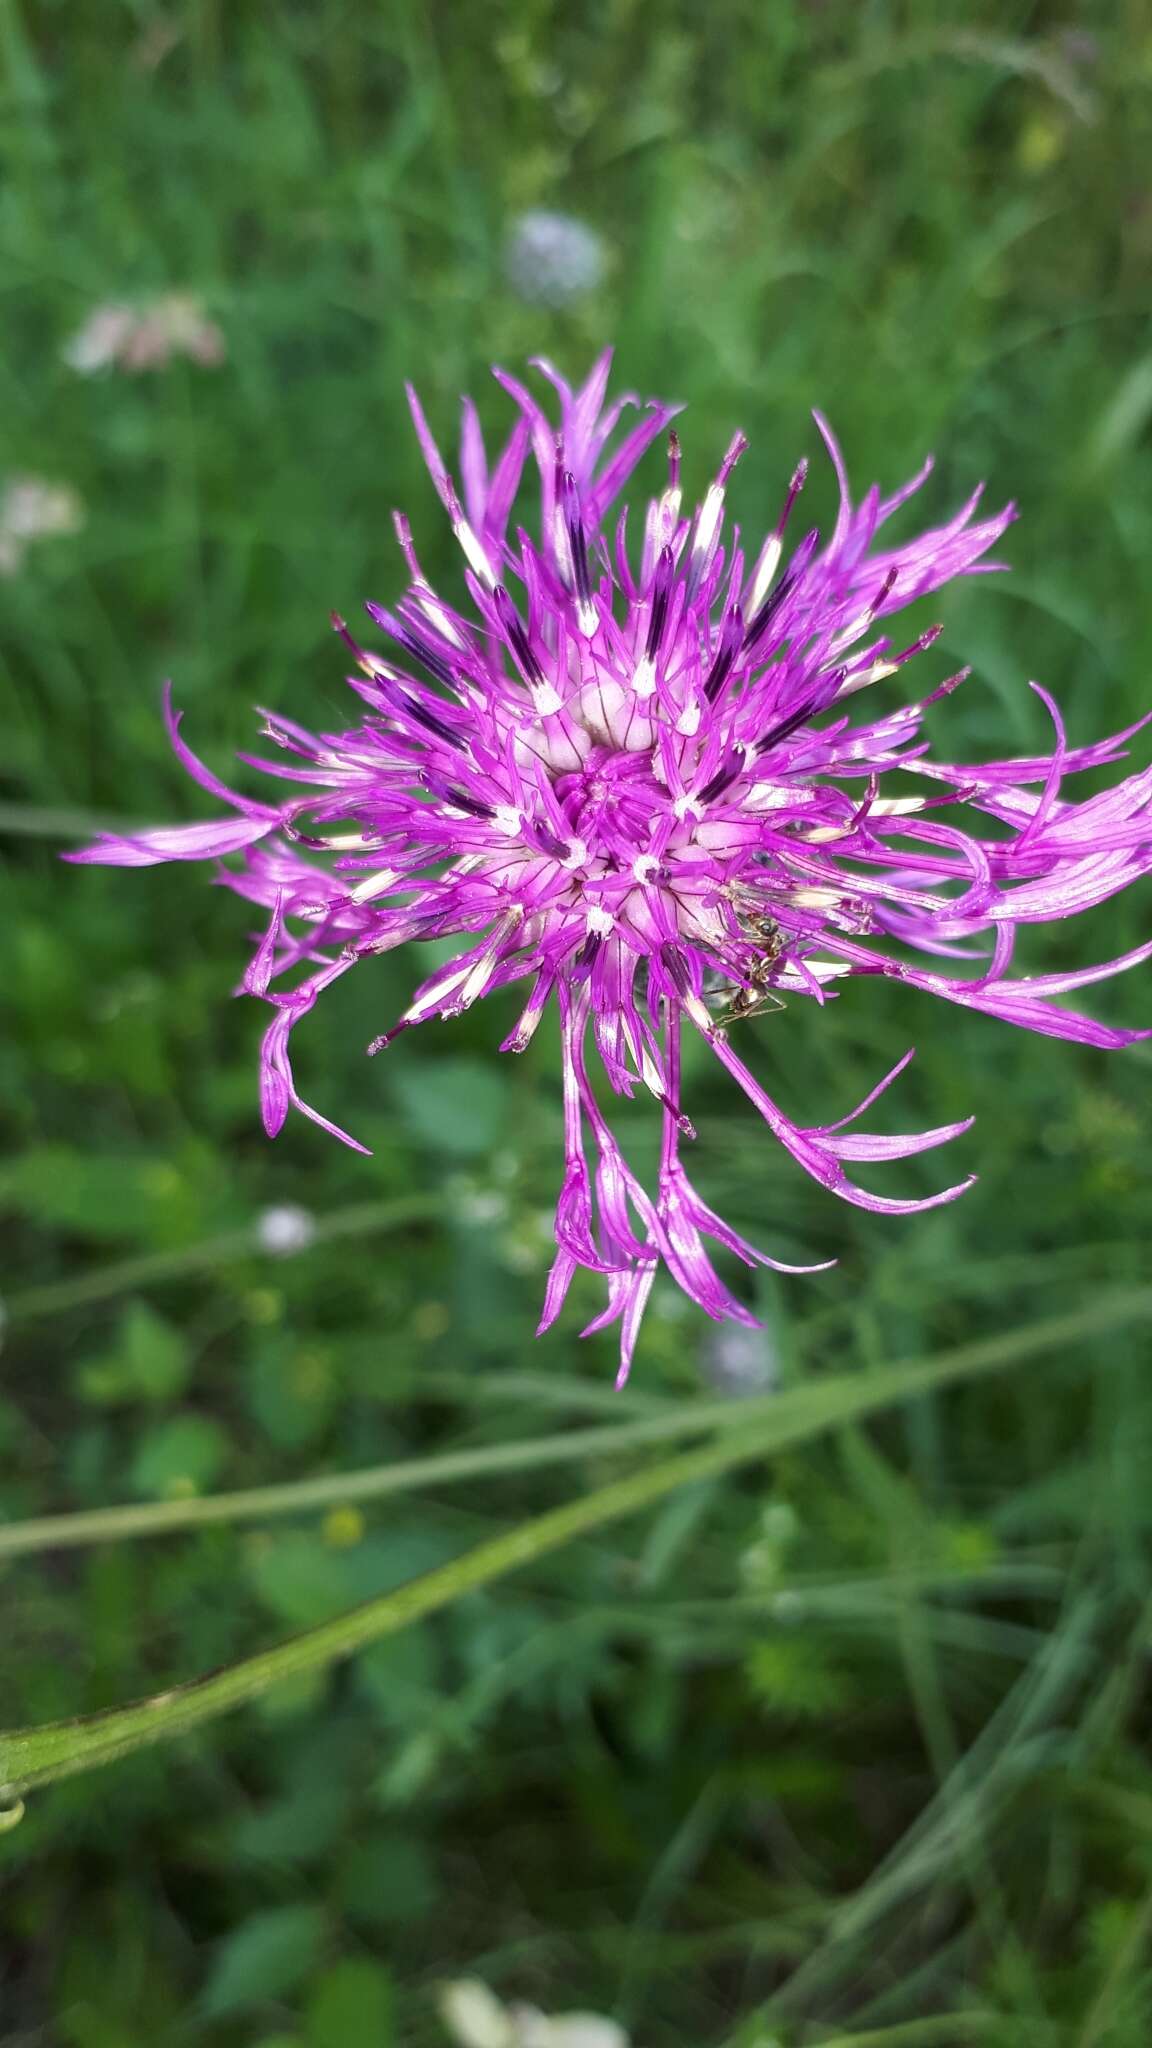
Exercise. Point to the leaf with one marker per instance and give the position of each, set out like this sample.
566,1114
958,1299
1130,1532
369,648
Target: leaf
399,1676
387,1879
290,1390
267,1956
455,1105
149,1363
179,1457
37,1756
295,1829
155,1353
352,2004
298,1578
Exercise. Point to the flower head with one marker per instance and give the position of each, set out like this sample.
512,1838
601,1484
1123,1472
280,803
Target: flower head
640,776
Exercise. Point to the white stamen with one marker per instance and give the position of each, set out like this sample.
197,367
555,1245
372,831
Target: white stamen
469,981
818,970
506,819
699,1013
481,974
425,1004
644,680
374,885
650,1073
644,867
430,604
475,555
777,796
563,548
853,629
688,723
814,899
707,526
878,673
600,921
587,617
766,569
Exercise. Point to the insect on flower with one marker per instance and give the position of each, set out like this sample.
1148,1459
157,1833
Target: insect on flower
751,998
632,773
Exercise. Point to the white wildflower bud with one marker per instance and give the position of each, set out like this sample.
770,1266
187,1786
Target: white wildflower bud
474,2016
551,259
285,1229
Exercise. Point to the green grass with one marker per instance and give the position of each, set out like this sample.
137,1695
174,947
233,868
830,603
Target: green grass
858,1756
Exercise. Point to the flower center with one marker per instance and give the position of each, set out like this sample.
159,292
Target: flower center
611,801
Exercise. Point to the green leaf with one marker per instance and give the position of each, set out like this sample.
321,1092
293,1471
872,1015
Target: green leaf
37,1756
455,1105
399,1676
299,1578
179,1457
290,1390
266,1957
155,1353
387,1880
295,1829
149,1363
351,2005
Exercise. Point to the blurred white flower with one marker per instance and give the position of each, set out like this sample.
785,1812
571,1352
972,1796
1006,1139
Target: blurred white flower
551,258
30,509
474,2015
285,1230
101,339
146,336
740,1361
476,2019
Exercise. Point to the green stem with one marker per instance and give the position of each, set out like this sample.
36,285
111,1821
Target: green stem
941,2032
37,1756
359,1219
786,1412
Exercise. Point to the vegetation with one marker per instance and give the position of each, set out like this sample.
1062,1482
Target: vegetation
841,1738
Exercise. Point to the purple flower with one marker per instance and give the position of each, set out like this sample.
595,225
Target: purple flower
636,776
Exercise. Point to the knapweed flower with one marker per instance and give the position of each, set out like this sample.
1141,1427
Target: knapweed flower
639,774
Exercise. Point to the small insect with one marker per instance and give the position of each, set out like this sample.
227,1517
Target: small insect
755,996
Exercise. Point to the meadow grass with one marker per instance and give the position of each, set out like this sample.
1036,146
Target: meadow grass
854,1754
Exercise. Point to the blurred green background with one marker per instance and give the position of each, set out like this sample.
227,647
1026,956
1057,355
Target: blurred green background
854,1750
